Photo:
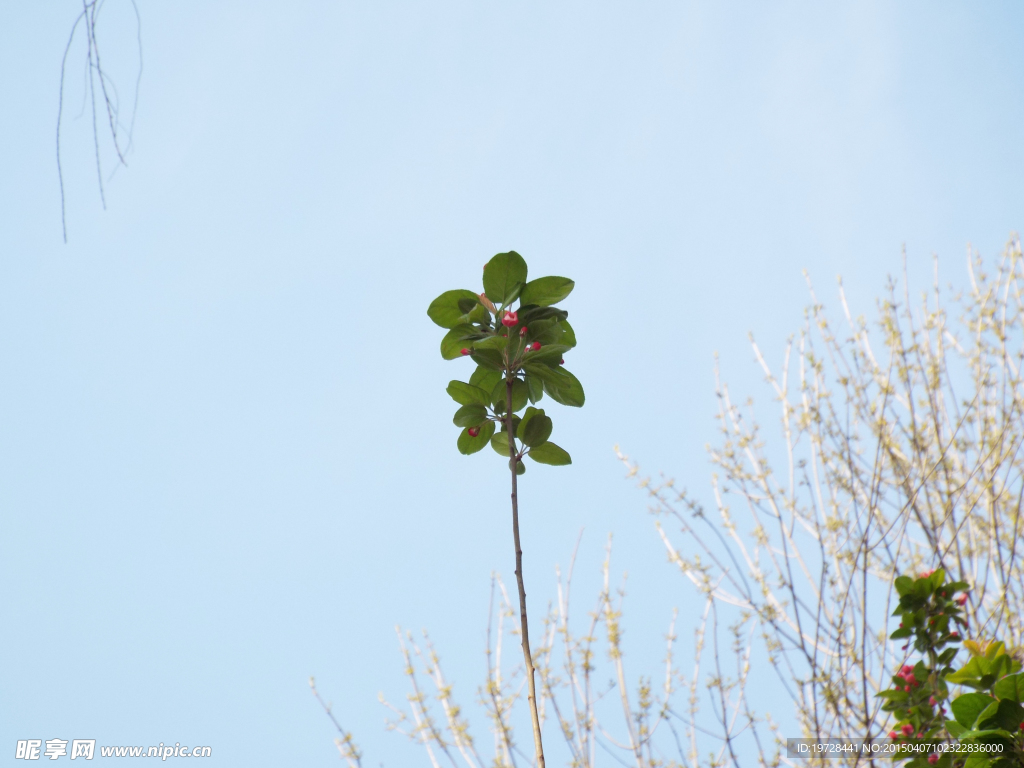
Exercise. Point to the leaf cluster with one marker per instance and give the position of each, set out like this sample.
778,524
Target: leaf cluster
930,621
519,351
989,718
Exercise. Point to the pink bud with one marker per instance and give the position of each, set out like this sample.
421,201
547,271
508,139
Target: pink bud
955,636
522,331
893,735
907,729
961,599
931,701
464,351
535,346
473,431
509,319
933,758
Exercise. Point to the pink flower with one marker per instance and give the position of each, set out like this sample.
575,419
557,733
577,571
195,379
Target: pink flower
509,319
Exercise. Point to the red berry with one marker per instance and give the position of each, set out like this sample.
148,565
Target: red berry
509,319
464,351
907,729
473,431
535,346
933,758
522,331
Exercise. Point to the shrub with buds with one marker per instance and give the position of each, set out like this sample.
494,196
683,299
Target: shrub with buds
989,722
506,380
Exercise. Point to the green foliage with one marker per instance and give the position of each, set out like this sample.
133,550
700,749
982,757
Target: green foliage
986,721
529,351
470,416
549,453
545,291
458,338
467,394
504,276
454,308
469,444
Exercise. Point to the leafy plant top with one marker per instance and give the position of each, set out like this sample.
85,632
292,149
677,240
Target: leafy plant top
514,333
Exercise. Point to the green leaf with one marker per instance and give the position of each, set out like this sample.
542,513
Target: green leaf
537,431
968,706
904,584
485,378
549,453
1011,688
520,394
489,358
456,340
954,728
500,443
548,354
947,656
569,337
469,444
1005,714
544,372
470,416
453,308
566,392
901,633
467,394
545,291
530,313
535,388
504,276
492,342
527,415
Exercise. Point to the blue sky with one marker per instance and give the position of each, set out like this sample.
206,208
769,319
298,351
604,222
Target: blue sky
226,455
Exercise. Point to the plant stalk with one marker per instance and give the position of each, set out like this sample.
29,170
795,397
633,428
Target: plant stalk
527,656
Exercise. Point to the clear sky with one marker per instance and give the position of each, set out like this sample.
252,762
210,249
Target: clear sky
226,454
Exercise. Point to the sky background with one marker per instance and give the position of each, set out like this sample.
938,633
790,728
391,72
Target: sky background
226,455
